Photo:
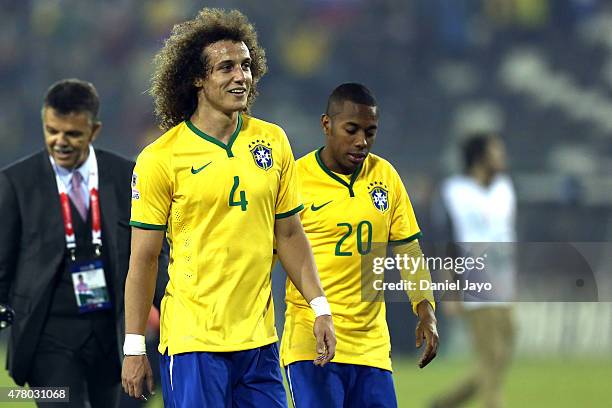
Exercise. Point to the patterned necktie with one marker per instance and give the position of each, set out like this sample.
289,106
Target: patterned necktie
76,194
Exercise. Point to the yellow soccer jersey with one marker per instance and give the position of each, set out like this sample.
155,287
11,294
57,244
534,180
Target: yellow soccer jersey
218,204
343,217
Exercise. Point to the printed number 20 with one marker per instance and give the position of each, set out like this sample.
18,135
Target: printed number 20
361,248
242,203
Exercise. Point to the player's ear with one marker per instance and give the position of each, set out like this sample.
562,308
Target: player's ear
198,82
97,126
325,123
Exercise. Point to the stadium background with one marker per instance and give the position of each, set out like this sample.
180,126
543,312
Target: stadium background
538,70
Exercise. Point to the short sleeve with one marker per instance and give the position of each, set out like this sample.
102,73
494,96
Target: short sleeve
287,200
404,226
151,193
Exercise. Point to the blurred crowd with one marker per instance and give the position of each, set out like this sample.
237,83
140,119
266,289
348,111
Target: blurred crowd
537,71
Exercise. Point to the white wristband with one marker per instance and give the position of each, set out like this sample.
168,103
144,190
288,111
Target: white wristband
320,306
134,345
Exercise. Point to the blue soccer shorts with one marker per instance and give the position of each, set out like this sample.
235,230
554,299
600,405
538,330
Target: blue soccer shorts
340,386
249,378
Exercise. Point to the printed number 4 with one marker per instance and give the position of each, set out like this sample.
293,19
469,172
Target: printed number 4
243,201
361,248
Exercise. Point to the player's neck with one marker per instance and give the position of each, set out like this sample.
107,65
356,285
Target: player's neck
215,123
333,165
481,175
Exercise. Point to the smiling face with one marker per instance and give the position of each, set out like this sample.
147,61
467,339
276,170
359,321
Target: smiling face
229,80
350,134
68,136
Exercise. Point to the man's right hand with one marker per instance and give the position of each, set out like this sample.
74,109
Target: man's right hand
326,339
136,371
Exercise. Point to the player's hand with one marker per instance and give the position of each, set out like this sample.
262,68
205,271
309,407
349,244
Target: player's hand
135,373
7,315
326,339
426,329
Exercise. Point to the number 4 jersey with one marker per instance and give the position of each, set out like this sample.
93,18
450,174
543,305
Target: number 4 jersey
345,217
218,204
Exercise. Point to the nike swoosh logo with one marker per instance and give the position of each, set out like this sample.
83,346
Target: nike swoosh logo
315,208
196,171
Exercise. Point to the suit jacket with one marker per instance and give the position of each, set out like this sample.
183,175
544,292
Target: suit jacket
33,246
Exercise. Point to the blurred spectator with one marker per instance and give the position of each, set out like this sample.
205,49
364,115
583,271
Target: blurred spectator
480,206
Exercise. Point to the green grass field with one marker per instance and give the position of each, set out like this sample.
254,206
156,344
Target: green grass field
531,383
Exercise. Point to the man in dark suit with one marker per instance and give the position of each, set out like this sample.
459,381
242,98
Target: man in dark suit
65,213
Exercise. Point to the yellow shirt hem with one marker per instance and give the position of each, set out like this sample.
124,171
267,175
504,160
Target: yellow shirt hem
295,357
192,347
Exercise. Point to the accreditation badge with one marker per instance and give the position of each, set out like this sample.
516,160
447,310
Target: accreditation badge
90,287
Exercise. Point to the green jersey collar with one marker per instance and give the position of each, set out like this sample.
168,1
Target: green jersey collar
335,176
228,147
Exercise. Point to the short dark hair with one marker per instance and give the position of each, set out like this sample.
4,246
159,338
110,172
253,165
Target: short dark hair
182,60
73,95
352,92
475,148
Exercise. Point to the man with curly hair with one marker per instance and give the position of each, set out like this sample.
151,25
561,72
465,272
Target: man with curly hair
221,185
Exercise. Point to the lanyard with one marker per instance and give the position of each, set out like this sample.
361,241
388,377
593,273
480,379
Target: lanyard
94,204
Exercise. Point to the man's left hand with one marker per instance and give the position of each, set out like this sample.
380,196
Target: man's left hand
426,329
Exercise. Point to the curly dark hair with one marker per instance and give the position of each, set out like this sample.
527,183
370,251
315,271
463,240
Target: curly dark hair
182,60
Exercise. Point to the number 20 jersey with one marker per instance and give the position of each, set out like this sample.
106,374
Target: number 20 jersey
218,204
344,218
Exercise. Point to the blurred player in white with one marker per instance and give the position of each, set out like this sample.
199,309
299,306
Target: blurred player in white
480,207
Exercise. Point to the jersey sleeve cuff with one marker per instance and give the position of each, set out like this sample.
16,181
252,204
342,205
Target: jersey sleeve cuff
145,226
289,213
406,240
416,303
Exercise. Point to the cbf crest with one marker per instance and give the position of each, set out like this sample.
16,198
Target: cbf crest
379,193
262,154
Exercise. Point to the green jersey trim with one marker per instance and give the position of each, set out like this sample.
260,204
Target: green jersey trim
143,225
289,213
335,176
228,147
407,240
